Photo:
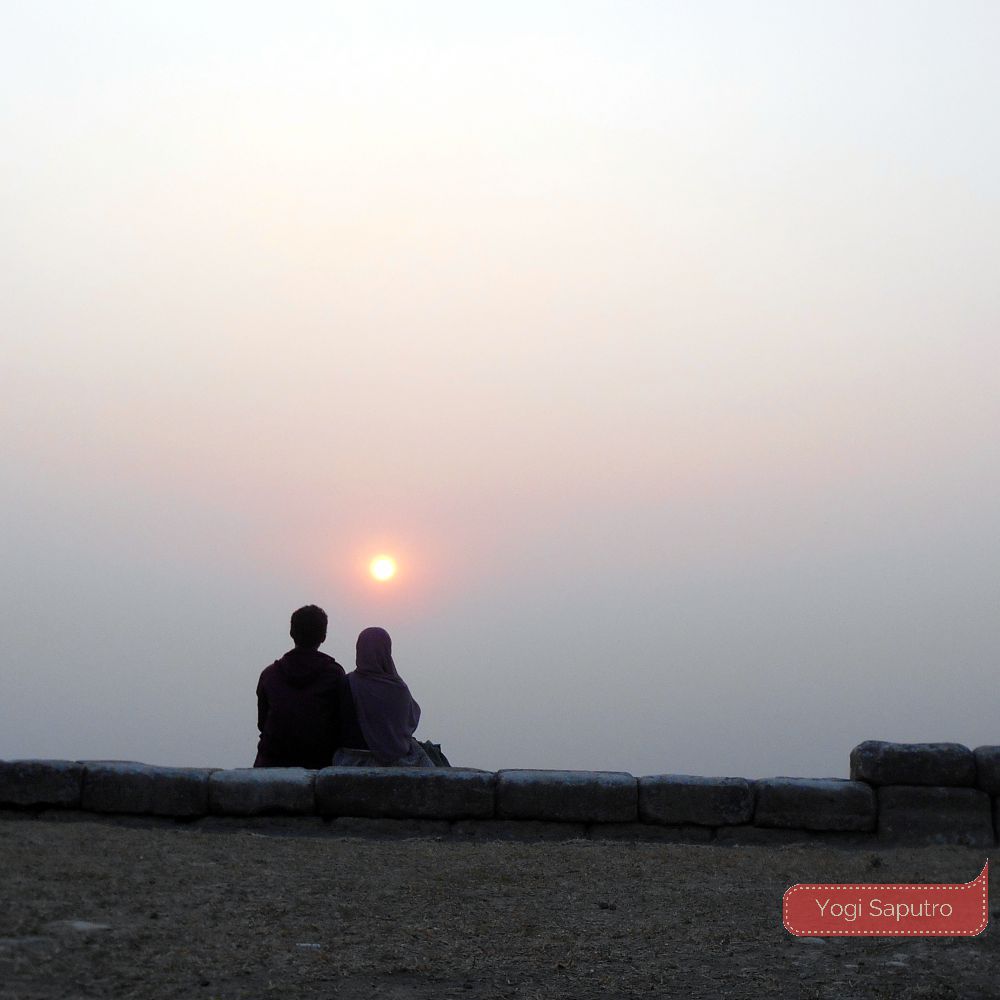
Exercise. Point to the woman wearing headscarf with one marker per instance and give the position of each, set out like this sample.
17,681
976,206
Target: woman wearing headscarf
379,716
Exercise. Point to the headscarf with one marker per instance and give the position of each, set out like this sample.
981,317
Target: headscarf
387,713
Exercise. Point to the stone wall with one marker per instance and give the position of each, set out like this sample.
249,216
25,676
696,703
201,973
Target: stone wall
921,793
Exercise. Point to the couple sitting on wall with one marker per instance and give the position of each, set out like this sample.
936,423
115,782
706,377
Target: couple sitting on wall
311,714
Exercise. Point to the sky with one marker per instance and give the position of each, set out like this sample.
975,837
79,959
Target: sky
658,342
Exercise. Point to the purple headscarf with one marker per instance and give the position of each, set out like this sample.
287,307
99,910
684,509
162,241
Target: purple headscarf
387,713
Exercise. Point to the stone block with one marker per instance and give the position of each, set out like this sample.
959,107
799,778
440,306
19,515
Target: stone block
251,791
988,769
684,798
124,787
923,815
682,834
405,792
41,783
118,787
516,829
181,791
567,796
815,804
880,763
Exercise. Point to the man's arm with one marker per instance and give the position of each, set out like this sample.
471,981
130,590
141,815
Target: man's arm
261,706
338,693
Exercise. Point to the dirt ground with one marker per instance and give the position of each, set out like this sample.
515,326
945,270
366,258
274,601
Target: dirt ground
103,910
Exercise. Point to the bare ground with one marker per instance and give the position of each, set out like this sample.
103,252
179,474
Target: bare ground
184,912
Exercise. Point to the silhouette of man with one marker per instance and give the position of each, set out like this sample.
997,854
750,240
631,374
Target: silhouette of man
297,699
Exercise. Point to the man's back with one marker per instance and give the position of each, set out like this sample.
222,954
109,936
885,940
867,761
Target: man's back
297,702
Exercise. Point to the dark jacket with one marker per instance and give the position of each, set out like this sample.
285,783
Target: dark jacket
298,710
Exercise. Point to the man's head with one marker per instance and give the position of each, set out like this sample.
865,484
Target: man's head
308,629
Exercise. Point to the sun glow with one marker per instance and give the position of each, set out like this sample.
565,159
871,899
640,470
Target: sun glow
382,568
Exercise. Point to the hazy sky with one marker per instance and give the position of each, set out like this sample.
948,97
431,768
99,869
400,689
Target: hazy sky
660,342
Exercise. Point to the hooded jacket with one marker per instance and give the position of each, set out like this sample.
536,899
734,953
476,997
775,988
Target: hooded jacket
297,710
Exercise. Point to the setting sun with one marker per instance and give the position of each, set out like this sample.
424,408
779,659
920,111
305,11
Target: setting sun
383,567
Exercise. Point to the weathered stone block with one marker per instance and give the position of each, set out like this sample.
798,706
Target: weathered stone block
815,804
181,791
118,787
681,834
567,796
124,787
685,798
40,783
405,792
516,829
925,815
988,769
251,791
880,763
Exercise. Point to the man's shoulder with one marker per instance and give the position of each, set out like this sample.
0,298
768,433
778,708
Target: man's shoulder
322,669
269,670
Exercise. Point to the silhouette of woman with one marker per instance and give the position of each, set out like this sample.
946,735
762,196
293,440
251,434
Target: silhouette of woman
379,715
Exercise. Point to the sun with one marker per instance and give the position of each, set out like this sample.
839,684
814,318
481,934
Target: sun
382,568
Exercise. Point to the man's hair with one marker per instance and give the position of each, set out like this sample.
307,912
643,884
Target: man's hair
308,626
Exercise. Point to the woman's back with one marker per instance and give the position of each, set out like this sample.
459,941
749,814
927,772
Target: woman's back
380,714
